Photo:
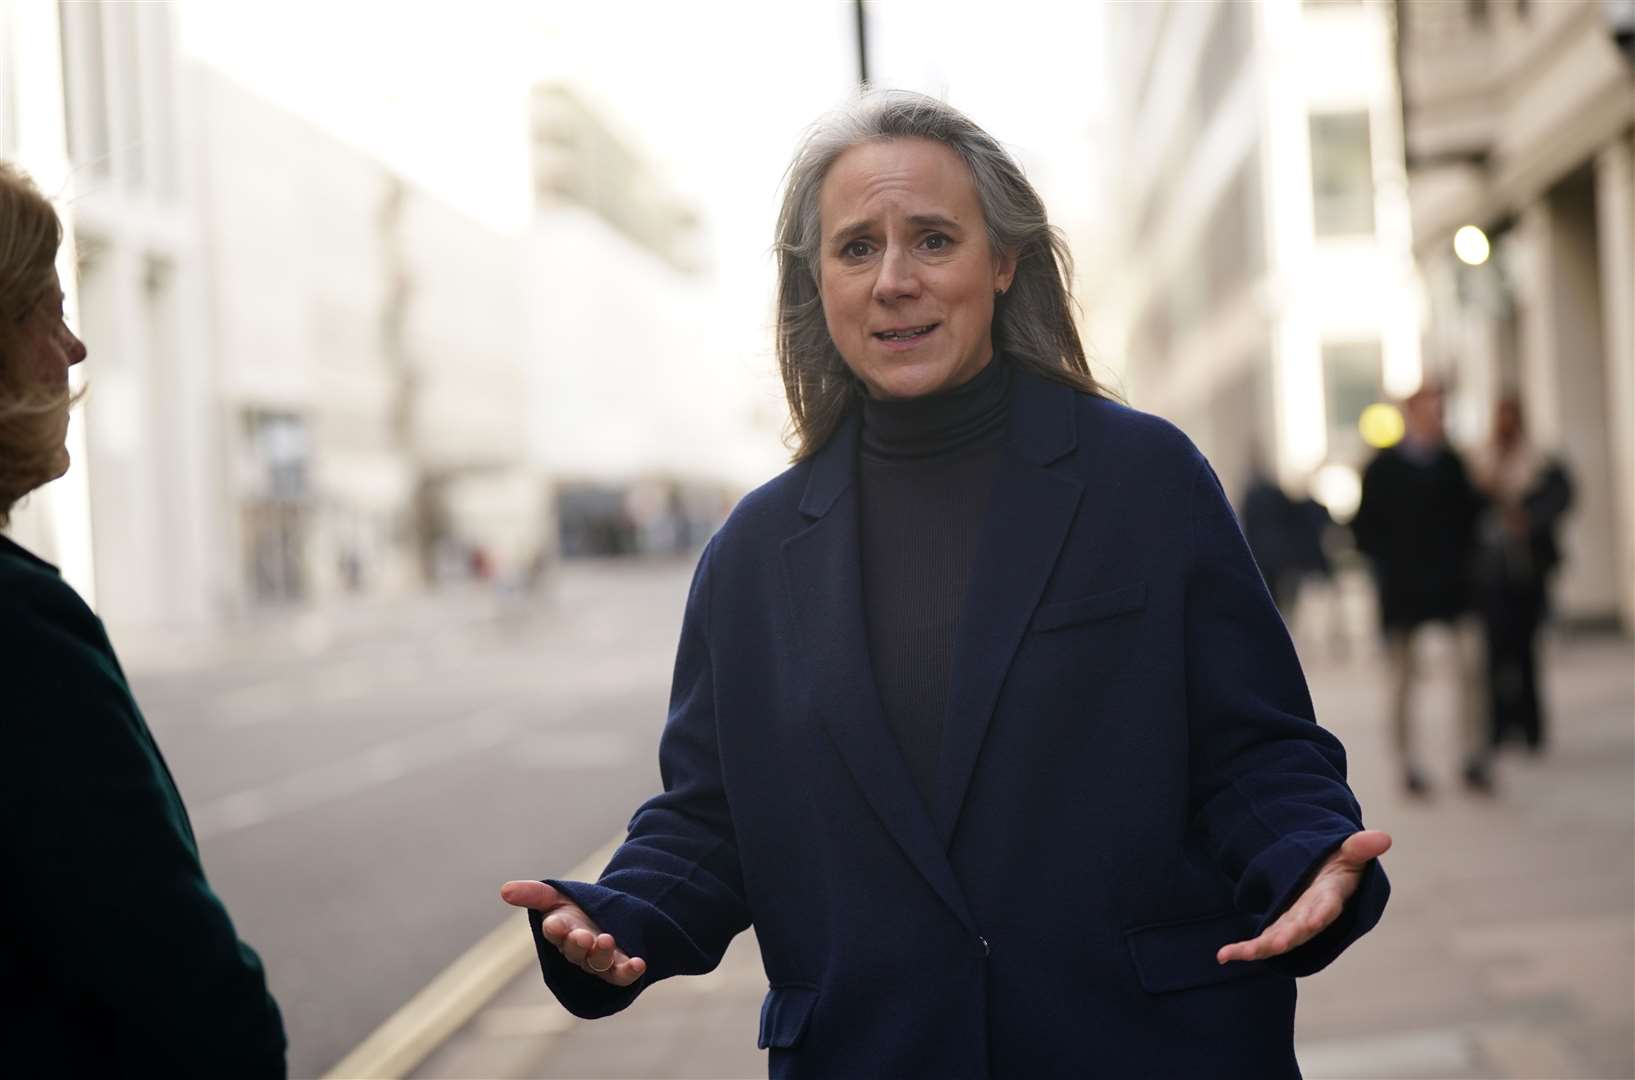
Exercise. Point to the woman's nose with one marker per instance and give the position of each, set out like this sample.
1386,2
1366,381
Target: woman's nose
898,276
74,347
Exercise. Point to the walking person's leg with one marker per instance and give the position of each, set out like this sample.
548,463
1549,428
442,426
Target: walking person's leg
1496,657
1474,704
1399,658
1529,699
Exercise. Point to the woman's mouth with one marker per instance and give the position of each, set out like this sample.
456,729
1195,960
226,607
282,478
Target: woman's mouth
904,336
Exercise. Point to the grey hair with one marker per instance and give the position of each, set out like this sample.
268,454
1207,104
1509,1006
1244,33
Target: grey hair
1033,321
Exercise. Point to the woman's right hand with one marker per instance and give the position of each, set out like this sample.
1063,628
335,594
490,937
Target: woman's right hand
579,940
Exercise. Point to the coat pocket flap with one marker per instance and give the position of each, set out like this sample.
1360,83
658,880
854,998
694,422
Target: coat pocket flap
784,1015
1181,955
1102,605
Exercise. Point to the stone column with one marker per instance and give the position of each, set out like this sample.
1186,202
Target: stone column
1615,217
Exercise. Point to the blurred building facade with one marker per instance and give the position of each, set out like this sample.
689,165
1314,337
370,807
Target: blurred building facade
372,348
633,404
1520,120
307,377
56,521
1263,288
138,496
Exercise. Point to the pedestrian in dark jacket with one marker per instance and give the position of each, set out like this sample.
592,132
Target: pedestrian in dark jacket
116,959
1416,523
981,715
1528,493
1268,524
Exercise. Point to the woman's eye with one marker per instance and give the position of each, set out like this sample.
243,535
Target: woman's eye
936,241
855,250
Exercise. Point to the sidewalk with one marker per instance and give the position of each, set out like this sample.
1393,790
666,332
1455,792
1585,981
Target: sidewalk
1508,949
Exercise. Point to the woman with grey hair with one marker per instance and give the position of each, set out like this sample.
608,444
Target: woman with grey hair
116,957
982,715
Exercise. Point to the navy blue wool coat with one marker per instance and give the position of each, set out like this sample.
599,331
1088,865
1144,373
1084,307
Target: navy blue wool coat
1130,777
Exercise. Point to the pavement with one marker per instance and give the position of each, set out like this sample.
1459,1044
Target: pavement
363,778
1508,948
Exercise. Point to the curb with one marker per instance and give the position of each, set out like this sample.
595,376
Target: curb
443,1006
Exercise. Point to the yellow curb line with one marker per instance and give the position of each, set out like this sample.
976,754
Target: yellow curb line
443,1006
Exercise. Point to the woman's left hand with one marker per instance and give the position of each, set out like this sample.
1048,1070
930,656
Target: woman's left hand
1319,905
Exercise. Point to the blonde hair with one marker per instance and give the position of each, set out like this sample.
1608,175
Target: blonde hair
30,415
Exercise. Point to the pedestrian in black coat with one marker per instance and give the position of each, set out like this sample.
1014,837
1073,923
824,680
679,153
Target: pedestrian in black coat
116,959
1416,523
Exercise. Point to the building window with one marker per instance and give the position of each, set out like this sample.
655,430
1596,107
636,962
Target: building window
1351,383
1342,174
84,91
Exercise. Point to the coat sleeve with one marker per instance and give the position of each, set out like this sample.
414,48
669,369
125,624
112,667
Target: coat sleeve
109,895
673,893
1267,784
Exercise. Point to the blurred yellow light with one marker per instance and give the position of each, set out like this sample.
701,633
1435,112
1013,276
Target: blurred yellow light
1380,425
1470,244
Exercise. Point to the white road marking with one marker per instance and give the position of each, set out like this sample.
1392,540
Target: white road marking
343,777
1412,1054
576,750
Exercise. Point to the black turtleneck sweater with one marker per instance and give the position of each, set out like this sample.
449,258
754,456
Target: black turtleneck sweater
925,472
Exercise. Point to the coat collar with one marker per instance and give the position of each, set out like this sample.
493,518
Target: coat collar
1029,514
1042,430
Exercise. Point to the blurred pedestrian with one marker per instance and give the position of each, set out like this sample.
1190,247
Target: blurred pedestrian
116,959
1528,492
1268,521
1318,605
1416,523
981,714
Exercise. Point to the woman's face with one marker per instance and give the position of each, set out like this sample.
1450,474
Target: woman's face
906,274
43,349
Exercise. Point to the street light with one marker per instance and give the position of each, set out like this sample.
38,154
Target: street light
1470,244
1381,425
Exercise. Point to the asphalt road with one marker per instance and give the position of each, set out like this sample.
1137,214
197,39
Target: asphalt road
362,785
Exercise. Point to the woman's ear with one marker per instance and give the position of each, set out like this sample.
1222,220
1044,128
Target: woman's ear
1004,271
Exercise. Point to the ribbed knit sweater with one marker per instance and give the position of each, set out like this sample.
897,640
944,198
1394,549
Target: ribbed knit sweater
926,469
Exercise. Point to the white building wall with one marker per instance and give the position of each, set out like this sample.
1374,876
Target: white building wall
149,443
299,288
633,375
56,521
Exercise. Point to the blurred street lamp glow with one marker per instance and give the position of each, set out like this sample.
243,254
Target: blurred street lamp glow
1470,244
1380,425
1339,488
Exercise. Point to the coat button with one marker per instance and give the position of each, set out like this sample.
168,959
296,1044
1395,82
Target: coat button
982,941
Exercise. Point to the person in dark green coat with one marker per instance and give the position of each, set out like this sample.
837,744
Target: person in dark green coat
116,958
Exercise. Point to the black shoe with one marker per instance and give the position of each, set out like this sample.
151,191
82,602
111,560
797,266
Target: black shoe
1479,778
1415,784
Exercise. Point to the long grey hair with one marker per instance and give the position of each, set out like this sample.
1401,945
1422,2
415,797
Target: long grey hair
1033,320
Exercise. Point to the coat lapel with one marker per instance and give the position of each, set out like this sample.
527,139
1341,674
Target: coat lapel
826,586
1029,514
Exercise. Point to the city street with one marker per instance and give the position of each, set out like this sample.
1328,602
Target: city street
1506,950
362,783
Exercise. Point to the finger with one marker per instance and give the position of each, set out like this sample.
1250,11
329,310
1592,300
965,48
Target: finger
599,961
626,971
530,894
1362,848
577,945
563,921
1237,950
